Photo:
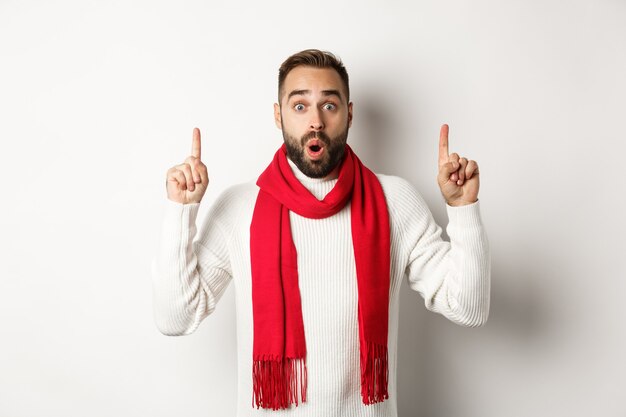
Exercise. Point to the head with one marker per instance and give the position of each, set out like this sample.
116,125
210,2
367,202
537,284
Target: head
314,111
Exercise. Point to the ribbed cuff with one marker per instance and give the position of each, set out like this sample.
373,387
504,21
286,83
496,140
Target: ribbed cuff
465,216
175,212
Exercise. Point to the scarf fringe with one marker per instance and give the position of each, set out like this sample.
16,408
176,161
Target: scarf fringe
375,374
275,382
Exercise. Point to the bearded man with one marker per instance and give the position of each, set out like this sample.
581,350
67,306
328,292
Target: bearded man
317,248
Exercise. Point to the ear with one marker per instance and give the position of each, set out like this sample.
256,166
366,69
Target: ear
277,118
350,114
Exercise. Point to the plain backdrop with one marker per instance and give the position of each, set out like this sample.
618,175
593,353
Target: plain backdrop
99,99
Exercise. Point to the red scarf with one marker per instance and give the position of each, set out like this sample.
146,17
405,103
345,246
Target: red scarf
279,350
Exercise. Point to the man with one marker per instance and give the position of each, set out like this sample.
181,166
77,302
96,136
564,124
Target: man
317,248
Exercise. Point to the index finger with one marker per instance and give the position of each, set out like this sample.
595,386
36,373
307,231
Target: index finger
195,143
443,145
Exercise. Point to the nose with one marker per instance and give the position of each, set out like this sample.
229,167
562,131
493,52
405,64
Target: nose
316,122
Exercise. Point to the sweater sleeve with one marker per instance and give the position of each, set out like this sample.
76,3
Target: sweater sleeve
454,278
188,278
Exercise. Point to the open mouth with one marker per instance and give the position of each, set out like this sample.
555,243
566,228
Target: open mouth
315,148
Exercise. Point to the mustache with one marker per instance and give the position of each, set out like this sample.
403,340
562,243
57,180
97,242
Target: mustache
319,135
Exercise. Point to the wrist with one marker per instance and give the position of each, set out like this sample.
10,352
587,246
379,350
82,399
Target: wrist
459,203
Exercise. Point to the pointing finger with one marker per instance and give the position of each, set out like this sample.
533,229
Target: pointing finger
195,143
194,163
443,145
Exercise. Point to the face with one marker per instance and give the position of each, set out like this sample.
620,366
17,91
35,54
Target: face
314,117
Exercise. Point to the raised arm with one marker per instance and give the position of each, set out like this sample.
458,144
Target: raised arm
454,278
188,278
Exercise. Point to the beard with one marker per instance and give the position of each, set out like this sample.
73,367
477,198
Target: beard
333,153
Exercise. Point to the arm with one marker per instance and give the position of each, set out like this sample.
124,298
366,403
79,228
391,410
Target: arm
188,278
454,278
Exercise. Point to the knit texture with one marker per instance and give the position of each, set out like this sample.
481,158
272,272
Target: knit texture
190,276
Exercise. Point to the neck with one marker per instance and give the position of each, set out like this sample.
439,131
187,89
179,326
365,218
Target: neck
319,187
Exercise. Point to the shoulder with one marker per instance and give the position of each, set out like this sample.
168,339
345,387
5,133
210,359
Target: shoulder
397,188
238,193
403,200
231,202
393,184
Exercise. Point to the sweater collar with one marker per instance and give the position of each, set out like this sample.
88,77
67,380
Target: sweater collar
319,187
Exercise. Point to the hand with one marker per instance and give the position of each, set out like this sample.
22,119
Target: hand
186,183
458,177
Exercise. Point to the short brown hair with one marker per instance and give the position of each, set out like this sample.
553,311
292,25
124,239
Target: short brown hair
312,58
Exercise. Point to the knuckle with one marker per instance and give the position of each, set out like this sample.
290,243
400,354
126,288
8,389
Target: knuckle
200,167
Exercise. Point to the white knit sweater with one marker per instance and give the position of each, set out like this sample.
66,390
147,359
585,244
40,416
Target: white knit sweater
189,278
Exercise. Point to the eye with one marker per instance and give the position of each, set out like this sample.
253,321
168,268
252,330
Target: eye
329,106
299,107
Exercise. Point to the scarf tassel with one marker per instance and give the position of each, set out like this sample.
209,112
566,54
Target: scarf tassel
374,378
276,382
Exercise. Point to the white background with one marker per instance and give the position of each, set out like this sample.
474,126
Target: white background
99,99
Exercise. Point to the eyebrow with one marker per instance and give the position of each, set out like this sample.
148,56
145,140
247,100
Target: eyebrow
305,92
